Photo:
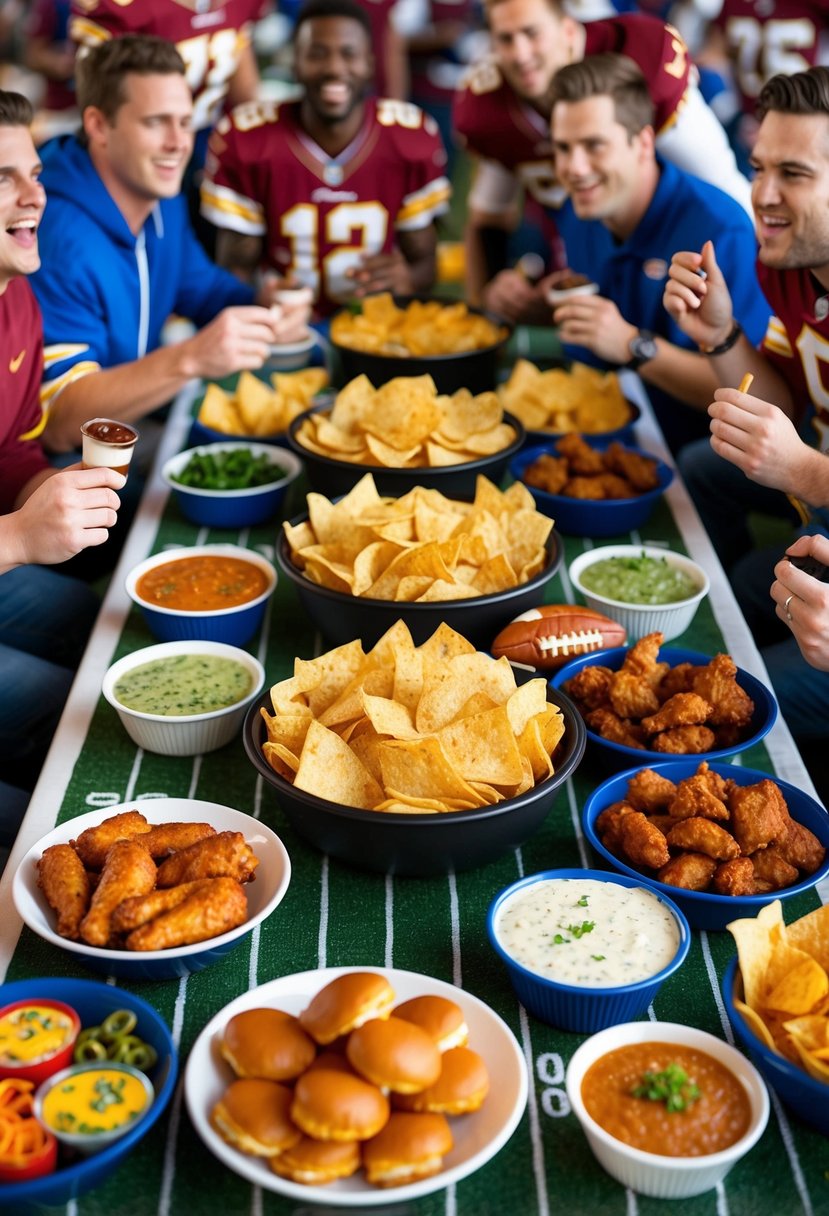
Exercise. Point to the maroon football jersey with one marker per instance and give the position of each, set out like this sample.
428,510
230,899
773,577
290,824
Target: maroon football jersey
497,124
320,215
379,14
48,19
767,37
21,371
210,36
797,339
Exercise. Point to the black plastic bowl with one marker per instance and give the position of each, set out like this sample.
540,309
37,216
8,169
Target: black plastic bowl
476,370
341,618
334,477
419,845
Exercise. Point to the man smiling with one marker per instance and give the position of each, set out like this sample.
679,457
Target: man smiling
340,191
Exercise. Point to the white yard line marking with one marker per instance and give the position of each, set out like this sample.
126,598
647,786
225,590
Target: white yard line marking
388,953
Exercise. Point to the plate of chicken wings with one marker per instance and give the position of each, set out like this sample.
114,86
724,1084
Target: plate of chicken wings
153,888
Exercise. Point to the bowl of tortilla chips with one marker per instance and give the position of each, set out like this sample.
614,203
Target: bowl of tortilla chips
386,336
776,994
413,759
254,408
363,561
406,434
558,400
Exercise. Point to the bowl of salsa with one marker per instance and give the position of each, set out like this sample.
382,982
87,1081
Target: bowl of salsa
646,588
215,593
667,1109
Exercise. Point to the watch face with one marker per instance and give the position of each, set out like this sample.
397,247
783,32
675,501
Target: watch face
643,347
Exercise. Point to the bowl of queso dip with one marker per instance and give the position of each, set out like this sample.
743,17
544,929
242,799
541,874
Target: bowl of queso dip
37,1038
183,698
645,588
88,1106
667,1109
584,951
213,592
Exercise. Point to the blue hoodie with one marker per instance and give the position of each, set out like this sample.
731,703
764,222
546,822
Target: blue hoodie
104,293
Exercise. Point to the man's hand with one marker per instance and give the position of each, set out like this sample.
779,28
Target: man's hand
700,303
596,323
511,296
807,614
69,511
238,338
758,438
382,272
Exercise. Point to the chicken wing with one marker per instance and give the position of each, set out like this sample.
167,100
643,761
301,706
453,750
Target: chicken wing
590,686
128,870
693,871
801,848
735,877
218,906
583,460
640,471
93,845
610,726
695,797
649,792
683,741
224,855
759,815
167,838
138,909
631,696
771,867
730,704
682,709
642,843
65,884
699,835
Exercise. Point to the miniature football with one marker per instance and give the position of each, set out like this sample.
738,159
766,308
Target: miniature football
552,634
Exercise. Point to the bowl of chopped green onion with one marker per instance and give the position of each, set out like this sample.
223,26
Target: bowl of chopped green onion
231,485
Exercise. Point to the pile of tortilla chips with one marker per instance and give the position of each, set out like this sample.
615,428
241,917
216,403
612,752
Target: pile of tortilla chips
406,424
422,547
255,409
421,328
581,399
785,972
413,729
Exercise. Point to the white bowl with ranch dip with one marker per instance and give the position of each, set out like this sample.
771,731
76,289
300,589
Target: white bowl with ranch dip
584,949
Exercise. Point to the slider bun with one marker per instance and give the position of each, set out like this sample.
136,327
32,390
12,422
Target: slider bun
408,1148
395,1054
331,1105
441,1018
266,1043
461,1087
333,1061
345,1003
253,1116
316,1162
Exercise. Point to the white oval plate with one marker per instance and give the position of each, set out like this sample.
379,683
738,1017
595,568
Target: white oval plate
273,873
478,1136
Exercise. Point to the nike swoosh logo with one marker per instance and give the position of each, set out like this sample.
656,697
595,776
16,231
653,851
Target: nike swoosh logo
14,364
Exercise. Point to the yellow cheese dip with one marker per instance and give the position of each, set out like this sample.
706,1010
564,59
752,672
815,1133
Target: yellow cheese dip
32,1033
92,1101
587,933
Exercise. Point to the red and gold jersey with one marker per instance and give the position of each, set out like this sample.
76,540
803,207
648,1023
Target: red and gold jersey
379,14
21,371
797,339
498,125
320,215
210,36
767,37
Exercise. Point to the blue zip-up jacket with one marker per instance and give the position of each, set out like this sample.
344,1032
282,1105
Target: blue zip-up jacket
104,293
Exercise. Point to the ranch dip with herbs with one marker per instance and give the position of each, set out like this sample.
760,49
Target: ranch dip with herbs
587,933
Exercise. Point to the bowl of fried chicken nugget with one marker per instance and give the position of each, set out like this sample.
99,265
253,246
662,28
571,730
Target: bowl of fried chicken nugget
721,840
648,702
153,889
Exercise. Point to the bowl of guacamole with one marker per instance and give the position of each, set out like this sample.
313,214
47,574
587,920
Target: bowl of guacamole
644,587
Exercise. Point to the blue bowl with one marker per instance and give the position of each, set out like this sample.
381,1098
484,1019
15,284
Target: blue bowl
622,434
200,435
705,910
803,1094
93,1002
582,516
235,626
569,1006
232,508
614,756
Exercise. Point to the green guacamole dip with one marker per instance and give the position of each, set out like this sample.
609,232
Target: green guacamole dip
639,580
184,684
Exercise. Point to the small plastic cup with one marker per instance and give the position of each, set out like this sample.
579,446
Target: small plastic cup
108,444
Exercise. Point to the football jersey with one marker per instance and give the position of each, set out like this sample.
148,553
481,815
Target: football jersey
320,215
497,124
797,340
767,37
210,36
49,19
21,370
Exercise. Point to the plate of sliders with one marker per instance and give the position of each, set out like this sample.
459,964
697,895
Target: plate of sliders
153,889
355,1088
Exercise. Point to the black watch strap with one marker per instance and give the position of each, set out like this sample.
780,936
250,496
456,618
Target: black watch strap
643,348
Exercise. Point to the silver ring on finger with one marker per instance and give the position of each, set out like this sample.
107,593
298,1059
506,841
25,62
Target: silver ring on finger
789,599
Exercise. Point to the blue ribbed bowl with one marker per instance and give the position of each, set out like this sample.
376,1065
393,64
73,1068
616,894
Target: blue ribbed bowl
232,508
567,1006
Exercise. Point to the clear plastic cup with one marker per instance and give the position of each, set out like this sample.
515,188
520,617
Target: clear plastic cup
108,444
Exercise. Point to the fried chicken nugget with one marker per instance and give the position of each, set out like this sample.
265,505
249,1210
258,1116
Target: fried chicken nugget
93,845
128,870
224,855
65,884
693,871
683,741
218,906
699,835
717,785
771,867
588,488
682,709
610,726
164,838
641,659
607,824
584,461
139,909
590,686
801,848
640,471
614,486
548,473
649,792
631,696
642,843
730,704
676,679
694,796
735,877
759,815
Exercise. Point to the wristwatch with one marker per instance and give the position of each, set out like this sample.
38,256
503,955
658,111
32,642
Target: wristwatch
642,347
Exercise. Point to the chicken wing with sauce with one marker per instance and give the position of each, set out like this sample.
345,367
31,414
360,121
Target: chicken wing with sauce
65,885
224,855
217,906
93,845
128,870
